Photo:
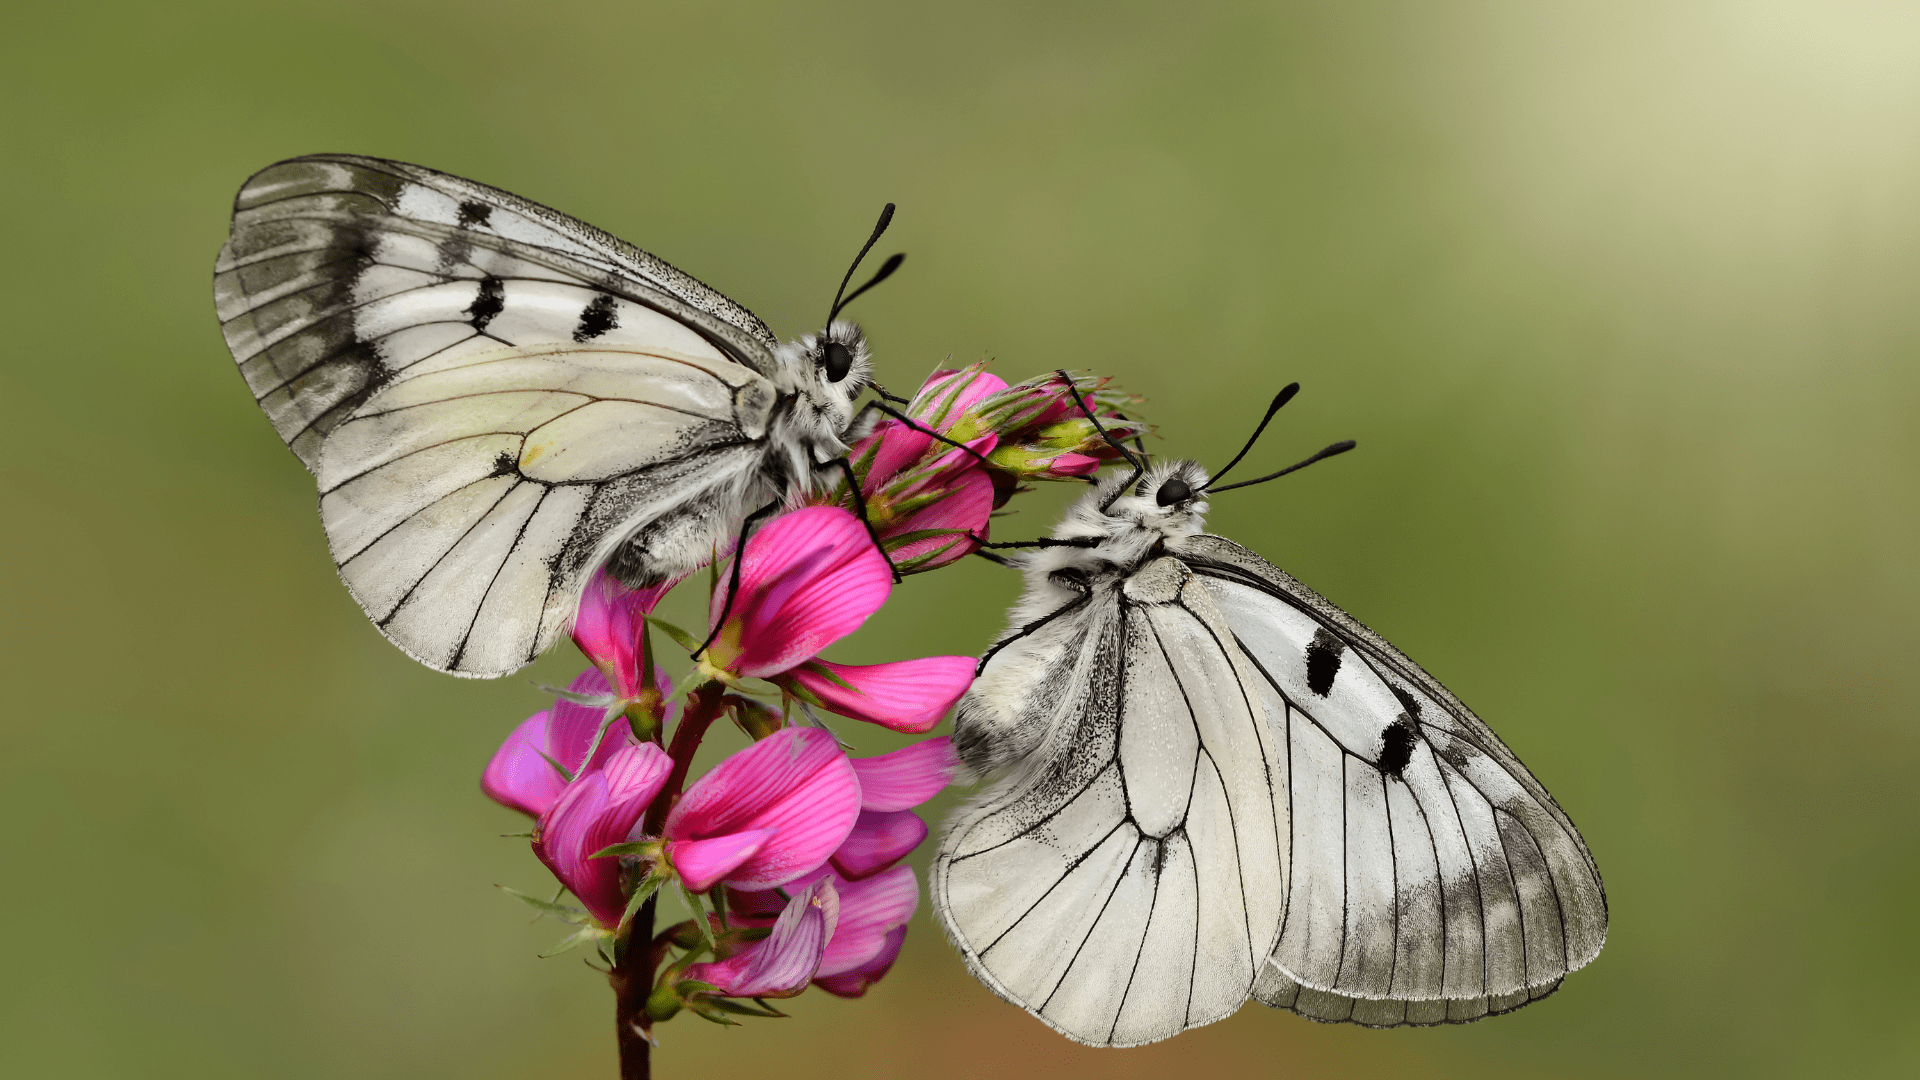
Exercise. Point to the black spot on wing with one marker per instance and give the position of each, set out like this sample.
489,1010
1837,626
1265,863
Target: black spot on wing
474,213
505,465
1323,661
1398,751
490,303
596,319
1407,701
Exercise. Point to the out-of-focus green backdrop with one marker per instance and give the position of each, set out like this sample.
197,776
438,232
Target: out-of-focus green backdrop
1621,301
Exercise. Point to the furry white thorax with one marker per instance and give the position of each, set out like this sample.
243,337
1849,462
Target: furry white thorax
817,424
1127,523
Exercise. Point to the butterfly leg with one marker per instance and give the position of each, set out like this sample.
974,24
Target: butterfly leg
733,579
860,508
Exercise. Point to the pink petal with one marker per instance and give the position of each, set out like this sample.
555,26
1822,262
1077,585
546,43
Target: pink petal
900,446
967,509
906,695
1071,464
869,911
807,580
908,776
878,840
608,626
782,963
599,809
949,393
702,863
573,726
855,982
518,778
797,781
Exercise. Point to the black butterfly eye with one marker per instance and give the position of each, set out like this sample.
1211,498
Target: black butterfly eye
836,361
1173,491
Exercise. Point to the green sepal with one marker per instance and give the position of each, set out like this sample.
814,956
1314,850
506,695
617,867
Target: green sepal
641,893
573,941
647,848
528,835
663,1003
545,907
680,637
738,1008
699,916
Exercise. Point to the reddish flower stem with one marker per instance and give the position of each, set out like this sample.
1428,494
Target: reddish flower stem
637,959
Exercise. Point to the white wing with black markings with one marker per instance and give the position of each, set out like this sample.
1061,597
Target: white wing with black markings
1434,879
1126,882
465,506
344,274
493,396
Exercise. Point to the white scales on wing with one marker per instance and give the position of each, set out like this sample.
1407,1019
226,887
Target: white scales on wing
496,398
1183,736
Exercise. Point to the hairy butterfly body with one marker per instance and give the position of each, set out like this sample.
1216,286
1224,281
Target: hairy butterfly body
1213,784
496,399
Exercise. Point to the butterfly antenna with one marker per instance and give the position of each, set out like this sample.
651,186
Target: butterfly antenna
886,269
1285,395
1337,448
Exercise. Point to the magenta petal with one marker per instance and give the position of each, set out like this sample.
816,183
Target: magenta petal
597,810
780,965
518,778
967,508
797,781
908,776
573,726
807,580
608,625
856,982
906,695
702,863
879,839
869,911
899,447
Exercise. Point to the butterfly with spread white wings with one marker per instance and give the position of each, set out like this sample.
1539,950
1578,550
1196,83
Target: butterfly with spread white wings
1214,784
496,398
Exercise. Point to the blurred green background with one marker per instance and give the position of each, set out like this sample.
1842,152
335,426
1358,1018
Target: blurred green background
1621,301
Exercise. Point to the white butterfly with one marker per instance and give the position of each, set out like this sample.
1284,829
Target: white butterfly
496,398
1215,785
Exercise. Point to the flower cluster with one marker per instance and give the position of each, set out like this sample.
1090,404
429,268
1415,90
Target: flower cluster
929,484
788,851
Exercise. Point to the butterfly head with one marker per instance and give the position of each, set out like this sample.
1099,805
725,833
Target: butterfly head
1128,515
825,372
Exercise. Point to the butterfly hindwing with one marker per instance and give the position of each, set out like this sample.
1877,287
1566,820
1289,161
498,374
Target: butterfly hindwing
465,507
344,274
1125,883
1429,864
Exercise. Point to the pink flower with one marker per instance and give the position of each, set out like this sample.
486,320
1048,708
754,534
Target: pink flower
610,628
525,774
908,776
891,785
1044,432
808,579
873,915
599,809
910,696
768,814
780,964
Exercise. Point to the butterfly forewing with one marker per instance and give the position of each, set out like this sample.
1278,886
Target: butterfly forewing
344,274
1429,864
1127,884
493,396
